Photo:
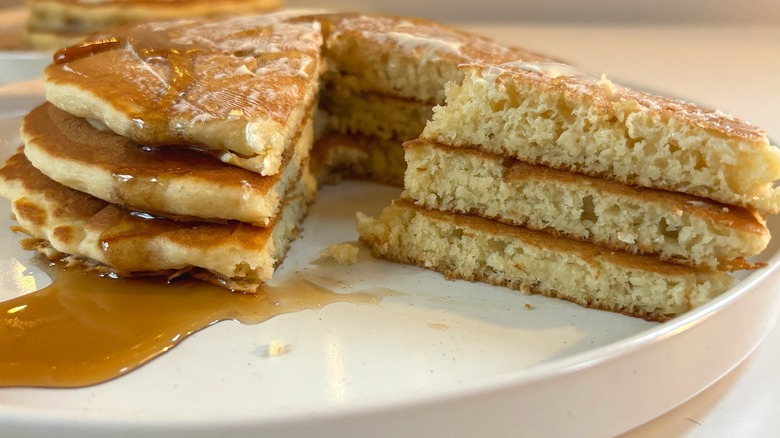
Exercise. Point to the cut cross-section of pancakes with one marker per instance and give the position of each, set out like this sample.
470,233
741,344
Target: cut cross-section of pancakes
384,76
555,115
675,226
639,203
477,249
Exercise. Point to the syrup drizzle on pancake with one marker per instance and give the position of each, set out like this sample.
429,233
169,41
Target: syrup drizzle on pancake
89,48
85,329
151,47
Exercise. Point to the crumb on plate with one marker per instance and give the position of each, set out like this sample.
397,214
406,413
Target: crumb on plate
342,253
275,348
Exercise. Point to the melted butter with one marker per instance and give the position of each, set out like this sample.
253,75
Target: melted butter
84,329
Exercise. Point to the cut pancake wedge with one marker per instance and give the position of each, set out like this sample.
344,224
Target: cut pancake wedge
240,87
478,249
234,254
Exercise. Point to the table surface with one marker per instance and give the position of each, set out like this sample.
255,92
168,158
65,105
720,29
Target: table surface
736,69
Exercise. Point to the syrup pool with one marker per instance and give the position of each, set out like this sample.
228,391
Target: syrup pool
85,329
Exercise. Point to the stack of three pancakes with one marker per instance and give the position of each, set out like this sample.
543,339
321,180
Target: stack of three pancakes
173,148
544,179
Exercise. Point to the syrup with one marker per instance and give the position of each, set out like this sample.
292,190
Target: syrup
154,47
78,51
85,329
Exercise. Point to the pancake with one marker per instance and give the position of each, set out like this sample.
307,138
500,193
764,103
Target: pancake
338,156
240,87
676,227
233,254
372,114
57,23
385,75
478,249
555,115
175,182
405,57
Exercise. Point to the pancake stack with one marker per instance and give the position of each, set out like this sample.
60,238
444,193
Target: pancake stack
541,178
185,147
189,141
173,148
58,23
385,76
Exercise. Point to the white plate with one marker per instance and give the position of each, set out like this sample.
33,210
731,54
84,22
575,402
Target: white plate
445,357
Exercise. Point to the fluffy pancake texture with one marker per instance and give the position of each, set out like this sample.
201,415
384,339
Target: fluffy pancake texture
176,182
675,226
477,249
555,115
58,23
406,57
239,87
235,254
384,76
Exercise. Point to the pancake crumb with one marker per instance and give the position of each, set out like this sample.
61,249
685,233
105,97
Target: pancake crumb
342,253
528,306
276,348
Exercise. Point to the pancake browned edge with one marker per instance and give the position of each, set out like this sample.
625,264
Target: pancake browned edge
234,255
176,182
555,115
674,226
58,23
240,88
385,74
478,249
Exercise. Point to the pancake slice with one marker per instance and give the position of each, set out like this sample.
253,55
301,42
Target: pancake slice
166,181
555,115
676,227
241,87
236,255
478,249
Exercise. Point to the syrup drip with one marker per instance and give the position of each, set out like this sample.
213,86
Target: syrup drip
85,329
78,51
